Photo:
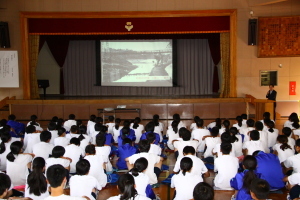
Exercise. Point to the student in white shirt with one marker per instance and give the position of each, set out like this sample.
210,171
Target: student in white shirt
103,149
198,169
253,145
83,137
158,128
193,126
198,133
18,164
90,124
75,152
217,123
126,186
32,137
58,158
56,177
61,140
52,127
239,123
225,127
294,161
155,149
97,165
211,141
225,138
244,117
272,134
172,134
176,117
36,185
266,119
98,124
289,134
110,124
116,129
70,122
236,141
246,131
138,129
293,118
282,149
185,182
263,135
33,122
82,184
44,148
226,166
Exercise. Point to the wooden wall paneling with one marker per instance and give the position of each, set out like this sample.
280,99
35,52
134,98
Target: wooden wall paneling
287,107
23,112
186,111
231,110
207,110
148,110
46,112
233,43
79,110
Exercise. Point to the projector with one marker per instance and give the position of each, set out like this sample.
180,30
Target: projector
121,106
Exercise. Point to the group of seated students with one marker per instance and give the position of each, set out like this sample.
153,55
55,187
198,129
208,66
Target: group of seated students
248,157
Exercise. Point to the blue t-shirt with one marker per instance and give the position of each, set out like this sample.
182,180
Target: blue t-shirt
109,139
131,136
17,126
157,137
124,151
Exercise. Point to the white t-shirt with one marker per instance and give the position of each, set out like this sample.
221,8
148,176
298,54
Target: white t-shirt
210,144
42,149
138,132
263,137
158,129
294,179
294,162
141,181
227,167
272,137
74,152
155,149
96,169
32,139
54,134
116,133
239,127
246,133
138,197
171,136
110,126
283,155
4,154
198,134
238,146
198,166
90,127
53,161
180,144
104,152
211,125
180,125
82,185
288,123
193,126
152,160
61,141
64,197
253,146
69,123
32,196
291,142
18,170
37,127
296,132
217,149
184,185
86,141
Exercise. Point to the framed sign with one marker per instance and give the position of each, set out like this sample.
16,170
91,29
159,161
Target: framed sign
268,77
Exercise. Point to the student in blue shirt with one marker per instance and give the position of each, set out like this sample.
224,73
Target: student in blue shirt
18,127
126,150
150,129
125,132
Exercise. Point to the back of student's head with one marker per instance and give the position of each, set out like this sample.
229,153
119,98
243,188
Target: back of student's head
136,122
233,132
83,167
250,164
226,147
226,124
196,118
260,188
156,120
56,175
254,135
259,125
99,120
297,144
150,127
144,146
293,117
250,123
214,131
189,150
176,117
52,126
30,129
75,141
97,127
126,123
127,141
58,151
92,118
15,149
203,191
11,117
175,126
239,120
199,123
126,185
271,126
125,131
266,116
218,122
117,123
54,119
287,131
36,179
186,165
100,139
45,136
283,140
244,116
140,165
90,149
71,116
60,123
3,122
151,137
74,129
5,183
61,131
111,118
226,137
33,117
185,134
82,132
5,137
78,122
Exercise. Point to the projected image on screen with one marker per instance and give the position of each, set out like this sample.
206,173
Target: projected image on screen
136,63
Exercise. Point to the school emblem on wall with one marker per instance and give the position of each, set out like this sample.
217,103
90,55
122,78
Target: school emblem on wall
128,26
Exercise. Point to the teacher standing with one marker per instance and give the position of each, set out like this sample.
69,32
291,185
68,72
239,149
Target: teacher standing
271,95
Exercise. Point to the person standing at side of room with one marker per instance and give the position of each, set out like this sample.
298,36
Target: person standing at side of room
271,95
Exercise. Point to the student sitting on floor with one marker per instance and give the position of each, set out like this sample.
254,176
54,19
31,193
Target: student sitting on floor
32,137
116,129
90,125
172,134
126,186
6,190
210,142
57,158
293,186
125,132
198,133
18,127
249,147
282,149
74,152
33,122
263,135
158,127
203,191
61,140
225,127
239,123
176,117
193,126
155,149
288,133
126,150
237,142
70,122
52,128
293,162
225,138
150,129
110,124
83,137
138,128
44,148
259,189
185,182
272,134
56,177
82,184
246,131
103,150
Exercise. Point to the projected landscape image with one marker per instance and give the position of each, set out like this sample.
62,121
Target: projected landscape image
136,63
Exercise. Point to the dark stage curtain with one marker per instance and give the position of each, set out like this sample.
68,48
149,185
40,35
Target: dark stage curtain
214,45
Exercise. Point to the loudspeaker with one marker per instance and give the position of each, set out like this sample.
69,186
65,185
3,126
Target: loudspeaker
4,35
43,83
252,31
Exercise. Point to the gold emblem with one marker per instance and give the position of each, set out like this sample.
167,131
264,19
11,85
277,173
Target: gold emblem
128,26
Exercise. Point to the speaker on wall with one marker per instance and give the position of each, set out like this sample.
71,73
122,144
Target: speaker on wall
252,31
4,35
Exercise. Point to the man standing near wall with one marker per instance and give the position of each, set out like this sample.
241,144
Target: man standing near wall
271,95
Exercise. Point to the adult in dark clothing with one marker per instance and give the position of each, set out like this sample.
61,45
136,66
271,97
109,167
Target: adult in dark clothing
271,95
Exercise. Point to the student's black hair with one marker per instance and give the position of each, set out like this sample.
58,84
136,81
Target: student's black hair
226,137
199,123
259,125
203,191
266,117
54,119
5,137
30,129
189,150
214,131
99,120
244,116
271,126
233,132
250,164
156,120
33,118
75,140
283,139
136,122
176,117
100,139
196,118
98,127
293,117
261,188
15,149
90,149
58,151
125,131
45,136
254,135
185,134
126,123
82,132
139,166
60,123
127,141
186,165
55,175
144,146
92,118
12,117
71,116
126,186
175,126
226,124
218,123
111,118
287,131
79,122
61,131
52,126
36,180
33,123
226,147
151,137
250,123
5,183
150,127
239,120
73,129
3,122
83,167
117,123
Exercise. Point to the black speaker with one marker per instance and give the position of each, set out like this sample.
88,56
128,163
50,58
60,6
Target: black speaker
4,35
252,32
43,83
